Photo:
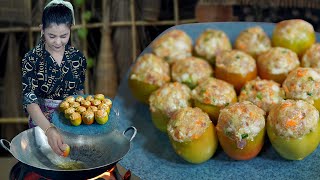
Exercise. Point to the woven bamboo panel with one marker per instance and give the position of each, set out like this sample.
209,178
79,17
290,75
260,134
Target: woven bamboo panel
282,3
266,3
219,2
15,11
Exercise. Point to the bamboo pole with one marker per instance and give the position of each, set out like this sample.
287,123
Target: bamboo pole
30,33
14,120
85,50
29,29
105,70
99,25
133,30
176,11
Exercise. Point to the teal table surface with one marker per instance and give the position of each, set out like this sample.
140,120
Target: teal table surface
152,157
64,124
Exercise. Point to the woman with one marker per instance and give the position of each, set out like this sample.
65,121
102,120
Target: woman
52,71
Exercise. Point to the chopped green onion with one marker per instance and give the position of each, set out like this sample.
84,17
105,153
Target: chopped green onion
202,91
206,39
259,95
227,133
243,136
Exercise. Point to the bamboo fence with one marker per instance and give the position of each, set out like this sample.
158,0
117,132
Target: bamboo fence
133,23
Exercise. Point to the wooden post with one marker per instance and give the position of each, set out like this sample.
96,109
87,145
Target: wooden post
30,34
133,30
106,70
176,11
85,50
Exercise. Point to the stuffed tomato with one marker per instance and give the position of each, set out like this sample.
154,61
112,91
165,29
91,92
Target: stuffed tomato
241,130
303,84
263,93
191,71
192,135
213,94
293,129
210,43
172,46
235,67
295,34
166,100
276,63
253,41
147,75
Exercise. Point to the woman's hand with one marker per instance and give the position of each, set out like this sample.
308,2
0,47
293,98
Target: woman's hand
55,140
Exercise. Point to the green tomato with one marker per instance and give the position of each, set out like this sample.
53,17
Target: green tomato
199,150
249,151
211,110
190,83
298,42
211,60
316,104
160,120
102,120
292,148
141,90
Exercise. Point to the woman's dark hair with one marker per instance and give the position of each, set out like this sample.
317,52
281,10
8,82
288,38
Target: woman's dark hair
56,13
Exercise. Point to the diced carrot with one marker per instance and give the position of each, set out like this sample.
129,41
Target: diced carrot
206,100
242,46
177,135
285,88
290,123
285,105
207,92
195,136
198,122
242,109
251,114
300,72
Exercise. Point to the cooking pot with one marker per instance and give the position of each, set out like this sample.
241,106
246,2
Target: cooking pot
90,155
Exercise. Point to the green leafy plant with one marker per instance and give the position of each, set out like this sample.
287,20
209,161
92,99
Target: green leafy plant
79,2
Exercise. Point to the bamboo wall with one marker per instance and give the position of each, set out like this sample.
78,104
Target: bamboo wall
133,23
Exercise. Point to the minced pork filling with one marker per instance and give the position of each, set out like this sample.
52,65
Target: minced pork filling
188,124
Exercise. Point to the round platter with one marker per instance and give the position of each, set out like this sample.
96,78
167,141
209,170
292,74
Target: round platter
152,157
64,124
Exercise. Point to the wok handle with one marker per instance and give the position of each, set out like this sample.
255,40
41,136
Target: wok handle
134,132
4,146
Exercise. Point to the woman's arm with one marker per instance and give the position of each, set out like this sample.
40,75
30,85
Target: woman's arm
29,91
30,102
37,116
54,138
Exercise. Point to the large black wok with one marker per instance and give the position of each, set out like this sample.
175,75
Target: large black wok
90,155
